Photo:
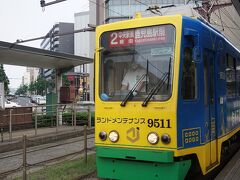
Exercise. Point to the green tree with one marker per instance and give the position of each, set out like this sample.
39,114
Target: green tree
22,90
65,81
4,79
41,84
32,88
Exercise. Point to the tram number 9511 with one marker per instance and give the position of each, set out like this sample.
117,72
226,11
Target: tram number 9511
159,123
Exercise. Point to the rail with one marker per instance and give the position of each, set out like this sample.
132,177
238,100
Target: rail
26,166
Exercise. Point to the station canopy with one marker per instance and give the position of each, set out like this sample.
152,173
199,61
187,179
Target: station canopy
14,54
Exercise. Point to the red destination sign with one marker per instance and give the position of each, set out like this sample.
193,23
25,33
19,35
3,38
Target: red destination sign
140,36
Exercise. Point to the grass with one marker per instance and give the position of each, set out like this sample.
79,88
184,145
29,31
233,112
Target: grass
67,170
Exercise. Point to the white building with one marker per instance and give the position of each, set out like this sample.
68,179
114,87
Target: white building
33,73
30,75
26,78
83,46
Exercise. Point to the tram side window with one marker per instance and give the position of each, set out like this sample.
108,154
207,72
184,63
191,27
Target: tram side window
238,76
231,76
189,76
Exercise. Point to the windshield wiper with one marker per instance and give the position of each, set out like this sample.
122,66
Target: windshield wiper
159,85
130,94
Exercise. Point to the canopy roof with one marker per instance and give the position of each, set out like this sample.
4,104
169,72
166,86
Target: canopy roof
13,54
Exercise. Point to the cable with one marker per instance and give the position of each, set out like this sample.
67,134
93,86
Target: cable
54,35
156,8
142,3
100,5
224,26
230,18
228,28
220,16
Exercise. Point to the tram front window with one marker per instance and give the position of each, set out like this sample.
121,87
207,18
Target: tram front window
137,60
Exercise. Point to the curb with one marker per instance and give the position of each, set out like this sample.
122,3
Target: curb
42,139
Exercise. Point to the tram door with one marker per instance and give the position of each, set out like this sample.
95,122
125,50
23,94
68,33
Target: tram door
210,105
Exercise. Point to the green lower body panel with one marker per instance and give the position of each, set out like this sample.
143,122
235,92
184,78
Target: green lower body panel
131,164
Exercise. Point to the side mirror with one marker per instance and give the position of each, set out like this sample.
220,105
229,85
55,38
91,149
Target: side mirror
196,54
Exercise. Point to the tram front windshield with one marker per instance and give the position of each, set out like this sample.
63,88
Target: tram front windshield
137,60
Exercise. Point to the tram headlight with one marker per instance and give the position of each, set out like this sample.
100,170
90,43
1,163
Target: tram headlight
153,138
113,136
166,139
103,135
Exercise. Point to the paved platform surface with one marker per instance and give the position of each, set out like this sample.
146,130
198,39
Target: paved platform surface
40,131
44,136
232,170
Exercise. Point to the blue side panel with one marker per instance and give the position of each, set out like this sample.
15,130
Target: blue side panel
193,116
221,92
190,113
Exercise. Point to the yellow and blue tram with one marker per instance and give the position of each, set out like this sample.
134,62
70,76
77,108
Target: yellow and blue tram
180,114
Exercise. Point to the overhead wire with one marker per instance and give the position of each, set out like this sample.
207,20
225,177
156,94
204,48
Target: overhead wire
18,41
230,29
151,9
229,16
100,5
62,34
140,2
220,16
225,26
232,20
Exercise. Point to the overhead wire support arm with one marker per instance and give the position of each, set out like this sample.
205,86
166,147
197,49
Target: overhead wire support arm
91,28
43,4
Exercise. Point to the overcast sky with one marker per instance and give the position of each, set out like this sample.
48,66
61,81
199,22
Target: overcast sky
25,19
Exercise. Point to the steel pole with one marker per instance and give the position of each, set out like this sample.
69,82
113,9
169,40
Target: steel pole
10,126
24,157
85,143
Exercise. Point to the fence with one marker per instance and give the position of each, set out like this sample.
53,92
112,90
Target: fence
25,155
56,117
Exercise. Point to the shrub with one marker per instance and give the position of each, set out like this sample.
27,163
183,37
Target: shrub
50,120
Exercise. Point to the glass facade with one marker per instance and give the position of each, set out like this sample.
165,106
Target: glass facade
117,10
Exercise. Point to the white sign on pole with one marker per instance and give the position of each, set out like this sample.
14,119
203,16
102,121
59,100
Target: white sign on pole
2,96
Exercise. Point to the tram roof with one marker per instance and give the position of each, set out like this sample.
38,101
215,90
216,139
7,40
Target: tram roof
14,54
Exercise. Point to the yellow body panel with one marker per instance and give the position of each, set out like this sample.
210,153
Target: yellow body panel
106,112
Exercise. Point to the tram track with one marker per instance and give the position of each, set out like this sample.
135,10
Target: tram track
42,163
44,154
34,149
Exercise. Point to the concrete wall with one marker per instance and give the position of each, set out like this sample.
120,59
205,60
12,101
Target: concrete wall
66,43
